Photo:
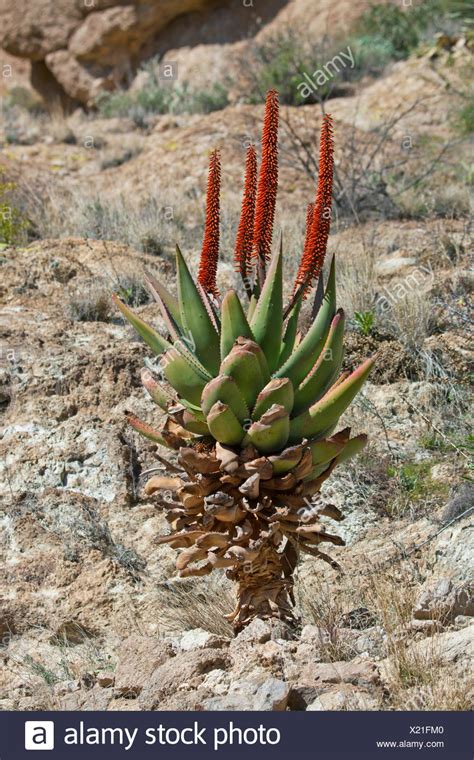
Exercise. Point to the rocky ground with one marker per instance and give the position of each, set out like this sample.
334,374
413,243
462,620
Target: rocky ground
91,614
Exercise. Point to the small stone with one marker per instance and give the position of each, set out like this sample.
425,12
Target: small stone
198,638
257,631
395,264
442,601
315,678
138,658
105,679
310,633
217,681
187,671
272,695
344,698
271,651
234,702
91,699
462,621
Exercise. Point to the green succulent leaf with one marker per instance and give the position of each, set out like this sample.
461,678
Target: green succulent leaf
277,391
152,338
346,451
154,390
195,425
224,388
324,414
146,430
234,323
287,460
271,432
224,425
326,368
352,448
187,381
291,331
325,450
245,364
200,334
158,291
305,355
251,307
267,319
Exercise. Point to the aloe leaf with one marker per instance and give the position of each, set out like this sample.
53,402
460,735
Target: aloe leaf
181,346
271,432
224,425
201,333
251,307
182,376
289,337
193,424
234,323
323,451
352,447
255,349
196,411
146,430
306,354
316,471
152,338
158,289
173,328
210,306
318,296
224,388
324,414
245,366
287,460
325,369
267,320
349,449
277,391
154,390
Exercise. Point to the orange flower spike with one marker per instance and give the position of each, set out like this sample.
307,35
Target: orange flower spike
317,238
309,222
244,240
267,182
210,245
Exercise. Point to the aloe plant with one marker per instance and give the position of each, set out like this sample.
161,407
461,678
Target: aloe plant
251,404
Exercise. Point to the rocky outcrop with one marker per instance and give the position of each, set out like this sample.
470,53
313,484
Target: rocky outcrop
77,49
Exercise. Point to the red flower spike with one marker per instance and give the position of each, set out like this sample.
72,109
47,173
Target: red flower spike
210,245
309,222
316,241
267,184
244,240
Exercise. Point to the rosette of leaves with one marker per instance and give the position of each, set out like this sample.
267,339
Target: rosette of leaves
252,404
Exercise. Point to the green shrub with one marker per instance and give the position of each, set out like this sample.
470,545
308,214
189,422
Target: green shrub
465,119
24,98
365,321
391,24
404,29
371,53
13,225
280,62
156,98
214,98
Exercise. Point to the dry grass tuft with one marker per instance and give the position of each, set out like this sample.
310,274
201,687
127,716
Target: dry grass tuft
357,284
192,604
410,319
90,305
